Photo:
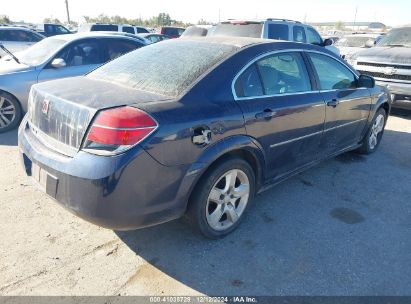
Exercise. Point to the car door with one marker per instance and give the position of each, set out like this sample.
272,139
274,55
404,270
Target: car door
347,107
80,58
281,110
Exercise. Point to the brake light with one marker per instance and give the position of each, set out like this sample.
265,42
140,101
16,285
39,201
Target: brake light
116,130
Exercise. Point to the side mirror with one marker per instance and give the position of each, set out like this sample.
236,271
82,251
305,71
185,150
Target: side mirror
365,81
369,44
328,42
58,63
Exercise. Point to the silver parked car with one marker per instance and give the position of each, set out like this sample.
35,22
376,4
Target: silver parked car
17,39
52,58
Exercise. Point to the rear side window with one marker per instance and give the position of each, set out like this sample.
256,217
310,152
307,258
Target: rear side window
249,84
284,73
245,29
104,27
332,74
128,29
299,34
118,47
313,37
274,75
278,31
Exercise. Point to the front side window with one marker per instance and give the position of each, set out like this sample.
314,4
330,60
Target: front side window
141,30
313,37
85,52
128,29
332,74
299,34
62,30
154,38
278,31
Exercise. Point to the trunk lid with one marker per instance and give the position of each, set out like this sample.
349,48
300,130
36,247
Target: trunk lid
60,111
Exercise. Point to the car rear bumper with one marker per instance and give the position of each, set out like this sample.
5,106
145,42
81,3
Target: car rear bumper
122,192
400,93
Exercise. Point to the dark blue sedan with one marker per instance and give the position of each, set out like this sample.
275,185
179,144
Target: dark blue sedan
195,126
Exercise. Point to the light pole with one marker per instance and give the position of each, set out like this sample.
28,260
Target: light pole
68,13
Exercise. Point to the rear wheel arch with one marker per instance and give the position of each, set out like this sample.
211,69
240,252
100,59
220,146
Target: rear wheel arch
385,106
252,155
13,96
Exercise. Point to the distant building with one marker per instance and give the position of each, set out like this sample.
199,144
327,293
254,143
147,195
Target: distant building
351,26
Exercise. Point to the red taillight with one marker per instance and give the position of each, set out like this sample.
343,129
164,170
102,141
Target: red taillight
116,130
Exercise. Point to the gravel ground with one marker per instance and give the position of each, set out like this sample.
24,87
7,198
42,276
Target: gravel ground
341,228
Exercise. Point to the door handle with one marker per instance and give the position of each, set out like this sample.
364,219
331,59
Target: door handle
333,103
266,114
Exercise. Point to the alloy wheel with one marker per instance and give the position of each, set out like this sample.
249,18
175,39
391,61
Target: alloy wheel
376,129
227,199
7,112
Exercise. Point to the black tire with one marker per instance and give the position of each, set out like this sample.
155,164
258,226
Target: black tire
367,147
8,104
199,202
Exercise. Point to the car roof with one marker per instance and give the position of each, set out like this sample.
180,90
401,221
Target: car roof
239,42
79,35
261,20
16,28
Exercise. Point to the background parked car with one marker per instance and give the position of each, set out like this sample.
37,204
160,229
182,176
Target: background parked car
280,29
107,27
148,140
351,44
172,31
56,57
390,63
50,29
17,39
153,38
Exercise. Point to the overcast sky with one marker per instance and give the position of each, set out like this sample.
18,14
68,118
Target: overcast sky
390,12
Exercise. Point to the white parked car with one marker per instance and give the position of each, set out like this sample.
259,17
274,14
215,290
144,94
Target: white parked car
271,28
351,44
108,27
17,39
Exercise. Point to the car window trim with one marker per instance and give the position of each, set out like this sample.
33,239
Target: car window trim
254,60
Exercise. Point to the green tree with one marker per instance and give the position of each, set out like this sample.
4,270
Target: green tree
4,19
339,25
52,20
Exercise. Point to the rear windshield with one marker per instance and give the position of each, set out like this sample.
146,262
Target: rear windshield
173,31
104,28
167,68
246,29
